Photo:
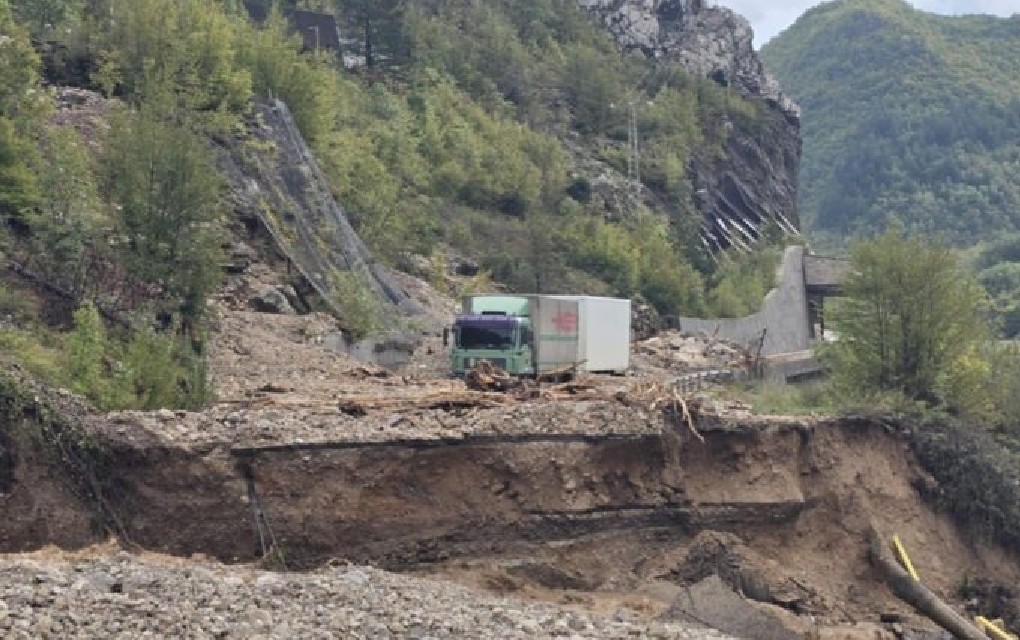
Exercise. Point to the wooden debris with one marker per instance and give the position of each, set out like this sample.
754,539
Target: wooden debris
677,400
916,594
274,388
486,376
365,371
573,388
360,406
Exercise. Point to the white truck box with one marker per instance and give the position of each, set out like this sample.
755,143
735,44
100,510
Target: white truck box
603,331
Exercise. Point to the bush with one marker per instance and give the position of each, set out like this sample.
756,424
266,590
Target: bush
741,281
86,348
18,306
362,312
33,350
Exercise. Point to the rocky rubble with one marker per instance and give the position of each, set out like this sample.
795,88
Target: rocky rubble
296,425
84,110
277,383
675,351
106,595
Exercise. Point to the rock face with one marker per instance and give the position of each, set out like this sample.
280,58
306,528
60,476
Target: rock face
755,180
275,179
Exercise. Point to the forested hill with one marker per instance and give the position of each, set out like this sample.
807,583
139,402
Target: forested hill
498,134
906,115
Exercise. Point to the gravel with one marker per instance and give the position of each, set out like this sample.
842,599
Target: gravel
277,384
118,595
239,427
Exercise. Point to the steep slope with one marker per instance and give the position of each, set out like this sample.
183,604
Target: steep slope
753,181
519,135
280,182
907,116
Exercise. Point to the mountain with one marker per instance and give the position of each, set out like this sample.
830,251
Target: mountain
907,116
152,150
753,179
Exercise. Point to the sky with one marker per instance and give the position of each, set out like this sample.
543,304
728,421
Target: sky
769,17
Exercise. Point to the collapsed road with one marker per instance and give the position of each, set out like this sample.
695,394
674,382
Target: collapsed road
603,495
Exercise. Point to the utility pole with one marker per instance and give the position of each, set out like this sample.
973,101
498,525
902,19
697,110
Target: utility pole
634,154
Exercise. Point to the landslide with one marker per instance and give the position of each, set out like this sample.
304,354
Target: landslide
598,502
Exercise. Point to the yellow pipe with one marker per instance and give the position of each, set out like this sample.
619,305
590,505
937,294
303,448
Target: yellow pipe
996,632
904,558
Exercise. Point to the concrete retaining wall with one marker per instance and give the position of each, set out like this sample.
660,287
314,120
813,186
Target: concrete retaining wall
783,315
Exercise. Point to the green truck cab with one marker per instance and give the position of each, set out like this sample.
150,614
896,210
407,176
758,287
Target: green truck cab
497,329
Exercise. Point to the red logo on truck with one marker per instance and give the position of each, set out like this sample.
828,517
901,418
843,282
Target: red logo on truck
565,322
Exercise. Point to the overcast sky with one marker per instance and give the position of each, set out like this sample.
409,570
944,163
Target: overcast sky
769,17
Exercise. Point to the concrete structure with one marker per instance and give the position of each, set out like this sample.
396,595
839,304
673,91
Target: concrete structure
318,31
785,325
823,278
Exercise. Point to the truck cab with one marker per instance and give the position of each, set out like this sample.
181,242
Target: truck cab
504,340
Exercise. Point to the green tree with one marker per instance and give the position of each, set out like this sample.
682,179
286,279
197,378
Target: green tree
912,321
20,99
85,348
68,215
596,93
19,68
166,188
43,16
18,186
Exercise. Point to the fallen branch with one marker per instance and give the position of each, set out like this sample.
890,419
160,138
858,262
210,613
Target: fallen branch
677,400
486,376
916,594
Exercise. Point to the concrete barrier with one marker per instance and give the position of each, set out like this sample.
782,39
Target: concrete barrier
783,316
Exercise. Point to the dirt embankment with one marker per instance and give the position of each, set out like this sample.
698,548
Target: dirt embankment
599,500
777,509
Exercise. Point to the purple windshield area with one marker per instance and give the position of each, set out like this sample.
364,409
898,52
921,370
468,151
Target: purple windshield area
492,323
486,332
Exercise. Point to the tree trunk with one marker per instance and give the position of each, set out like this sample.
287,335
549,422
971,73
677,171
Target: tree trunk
916,594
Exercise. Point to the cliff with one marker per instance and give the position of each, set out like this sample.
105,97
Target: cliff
754,179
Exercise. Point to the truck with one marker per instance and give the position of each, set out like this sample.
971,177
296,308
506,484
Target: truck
531,334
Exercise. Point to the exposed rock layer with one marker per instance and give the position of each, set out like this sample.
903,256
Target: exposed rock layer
754,180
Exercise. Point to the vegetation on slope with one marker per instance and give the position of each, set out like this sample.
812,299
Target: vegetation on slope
913,322
908,116
463,130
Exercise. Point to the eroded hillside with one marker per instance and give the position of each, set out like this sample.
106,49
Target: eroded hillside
596,496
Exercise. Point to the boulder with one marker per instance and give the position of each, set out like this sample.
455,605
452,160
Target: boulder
271,299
